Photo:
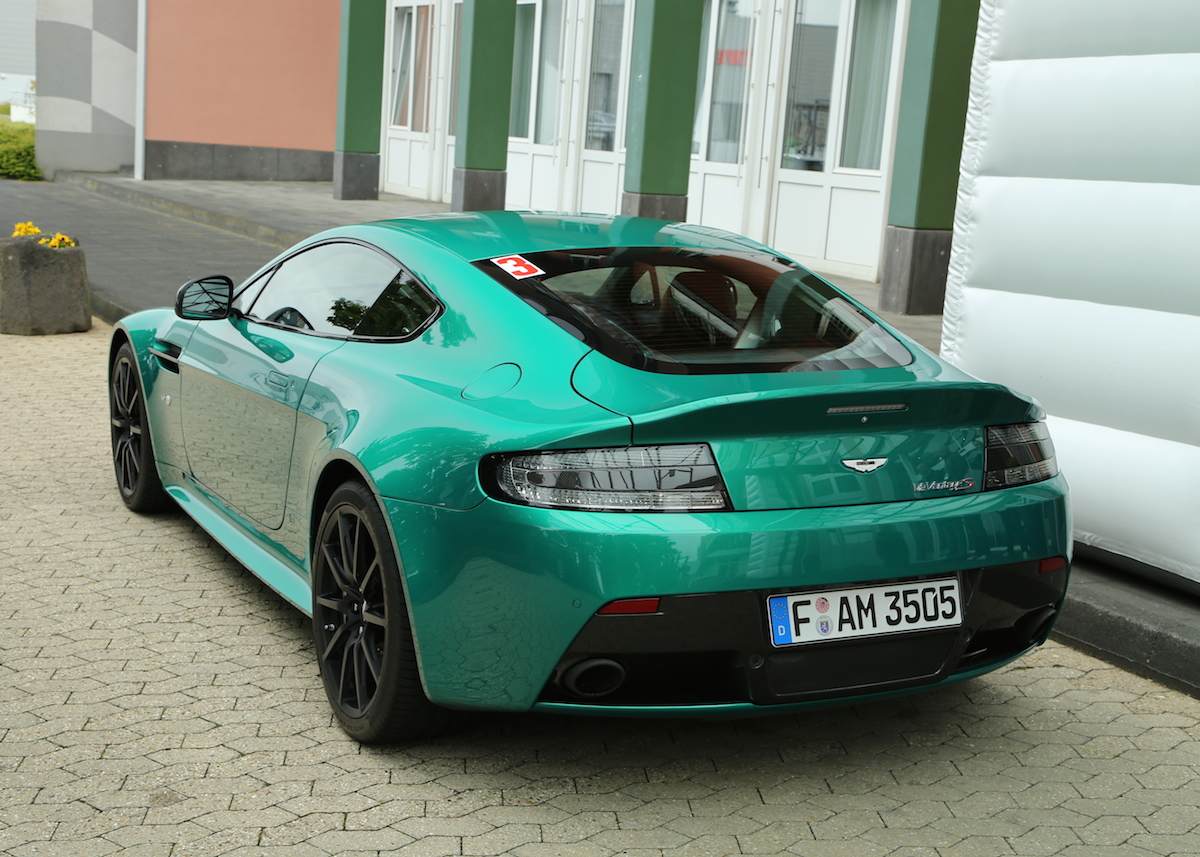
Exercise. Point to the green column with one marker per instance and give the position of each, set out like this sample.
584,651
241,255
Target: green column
360,94
929,133
485,59
662,103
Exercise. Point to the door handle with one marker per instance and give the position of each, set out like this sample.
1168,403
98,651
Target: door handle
278,379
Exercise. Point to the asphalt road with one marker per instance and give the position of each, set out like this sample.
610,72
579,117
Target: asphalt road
137,256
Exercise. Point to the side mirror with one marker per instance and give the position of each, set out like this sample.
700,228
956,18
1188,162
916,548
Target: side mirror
205,298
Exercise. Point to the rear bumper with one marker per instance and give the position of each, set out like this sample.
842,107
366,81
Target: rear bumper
714,649
501,594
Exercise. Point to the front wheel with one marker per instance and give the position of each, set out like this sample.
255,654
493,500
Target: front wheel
132,448
360,625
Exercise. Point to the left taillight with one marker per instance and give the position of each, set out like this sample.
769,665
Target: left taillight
667,478
1018,454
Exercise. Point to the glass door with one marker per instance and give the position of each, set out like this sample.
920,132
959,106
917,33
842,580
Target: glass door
413,144
825,186
601,160
536,104
716,186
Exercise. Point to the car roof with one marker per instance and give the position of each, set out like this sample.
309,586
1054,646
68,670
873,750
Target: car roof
474,235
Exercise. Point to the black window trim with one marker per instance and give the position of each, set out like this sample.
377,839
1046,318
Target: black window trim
439,306
559,310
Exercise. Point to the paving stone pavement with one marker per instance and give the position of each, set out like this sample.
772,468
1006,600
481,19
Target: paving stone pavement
156,701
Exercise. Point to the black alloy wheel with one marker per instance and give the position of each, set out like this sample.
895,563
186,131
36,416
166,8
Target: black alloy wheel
132,448
361,628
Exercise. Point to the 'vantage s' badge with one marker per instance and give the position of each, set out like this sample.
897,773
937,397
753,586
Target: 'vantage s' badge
864,465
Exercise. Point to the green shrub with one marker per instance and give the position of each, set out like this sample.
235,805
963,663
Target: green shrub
17,159
5,109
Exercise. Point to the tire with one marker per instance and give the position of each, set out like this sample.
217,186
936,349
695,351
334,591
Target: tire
361,628
132,447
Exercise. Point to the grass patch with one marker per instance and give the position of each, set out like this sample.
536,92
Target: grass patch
17,160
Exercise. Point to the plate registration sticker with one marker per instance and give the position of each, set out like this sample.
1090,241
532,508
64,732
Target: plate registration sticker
842,614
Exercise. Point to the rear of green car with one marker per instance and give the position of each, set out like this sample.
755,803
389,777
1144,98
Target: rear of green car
809,509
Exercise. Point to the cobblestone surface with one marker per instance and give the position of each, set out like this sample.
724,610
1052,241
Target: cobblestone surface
156,700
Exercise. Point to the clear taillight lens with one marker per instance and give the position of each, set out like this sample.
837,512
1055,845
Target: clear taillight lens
675,478
1017,455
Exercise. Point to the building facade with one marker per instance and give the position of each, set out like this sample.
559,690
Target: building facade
252,101
795,110
87,84
794,115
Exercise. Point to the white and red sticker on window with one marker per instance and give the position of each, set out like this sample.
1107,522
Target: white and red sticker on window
517,267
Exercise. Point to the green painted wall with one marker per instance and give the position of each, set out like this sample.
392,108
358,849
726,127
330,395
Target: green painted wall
360,76
932,115
485,62
662,95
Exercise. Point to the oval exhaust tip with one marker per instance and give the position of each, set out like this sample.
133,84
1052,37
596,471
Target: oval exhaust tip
593,678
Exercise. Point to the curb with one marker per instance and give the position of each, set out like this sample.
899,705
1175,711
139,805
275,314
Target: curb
105,308
1133,623
282,238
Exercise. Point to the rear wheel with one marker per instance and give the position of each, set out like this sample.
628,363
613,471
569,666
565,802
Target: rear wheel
361,628
133,451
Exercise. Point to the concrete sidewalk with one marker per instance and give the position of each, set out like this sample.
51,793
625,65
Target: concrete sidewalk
143,239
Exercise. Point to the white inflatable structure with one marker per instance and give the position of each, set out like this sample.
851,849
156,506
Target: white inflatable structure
1075,273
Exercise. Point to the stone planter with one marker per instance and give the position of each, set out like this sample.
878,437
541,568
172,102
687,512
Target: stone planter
42,289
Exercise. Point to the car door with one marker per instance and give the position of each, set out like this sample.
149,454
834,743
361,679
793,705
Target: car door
242,378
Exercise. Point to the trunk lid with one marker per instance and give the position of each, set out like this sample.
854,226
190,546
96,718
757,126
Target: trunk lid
815,439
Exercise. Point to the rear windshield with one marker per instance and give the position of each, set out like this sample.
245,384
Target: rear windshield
688,311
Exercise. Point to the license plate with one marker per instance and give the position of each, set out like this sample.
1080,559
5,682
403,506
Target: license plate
842,614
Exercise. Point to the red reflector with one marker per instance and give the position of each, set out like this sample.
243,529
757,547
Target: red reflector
1051,563
630,605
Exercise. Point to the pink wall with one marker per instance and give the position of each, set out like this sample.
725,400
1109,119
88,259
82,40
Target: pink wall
243,72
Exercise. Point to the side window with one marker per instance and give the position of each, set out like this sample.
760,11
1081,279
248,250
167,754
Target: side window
326,289
402,310
247,293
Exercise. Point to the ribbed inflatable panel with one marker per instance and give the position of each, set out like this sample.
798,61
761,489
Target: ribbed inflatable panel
1075,270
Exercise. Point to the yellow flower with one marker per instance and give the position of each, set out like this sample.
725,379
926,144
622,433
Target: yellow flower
59,240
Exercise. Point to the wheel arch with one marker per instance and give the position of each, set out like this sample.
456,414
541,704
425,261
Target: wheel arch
120,336
337,471
138,339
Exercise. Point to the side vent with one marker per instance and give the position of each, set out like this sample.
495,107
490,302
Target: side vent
167,355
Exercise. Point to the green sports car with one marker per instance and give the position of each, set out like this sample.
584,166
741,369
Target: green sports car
562,463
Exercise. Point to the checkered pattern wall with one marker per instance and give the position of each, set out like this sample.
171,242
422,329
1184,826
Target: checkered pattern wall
86,83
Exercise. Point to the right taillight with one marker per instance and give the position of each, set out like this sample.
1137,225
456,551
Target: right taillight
1018,454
